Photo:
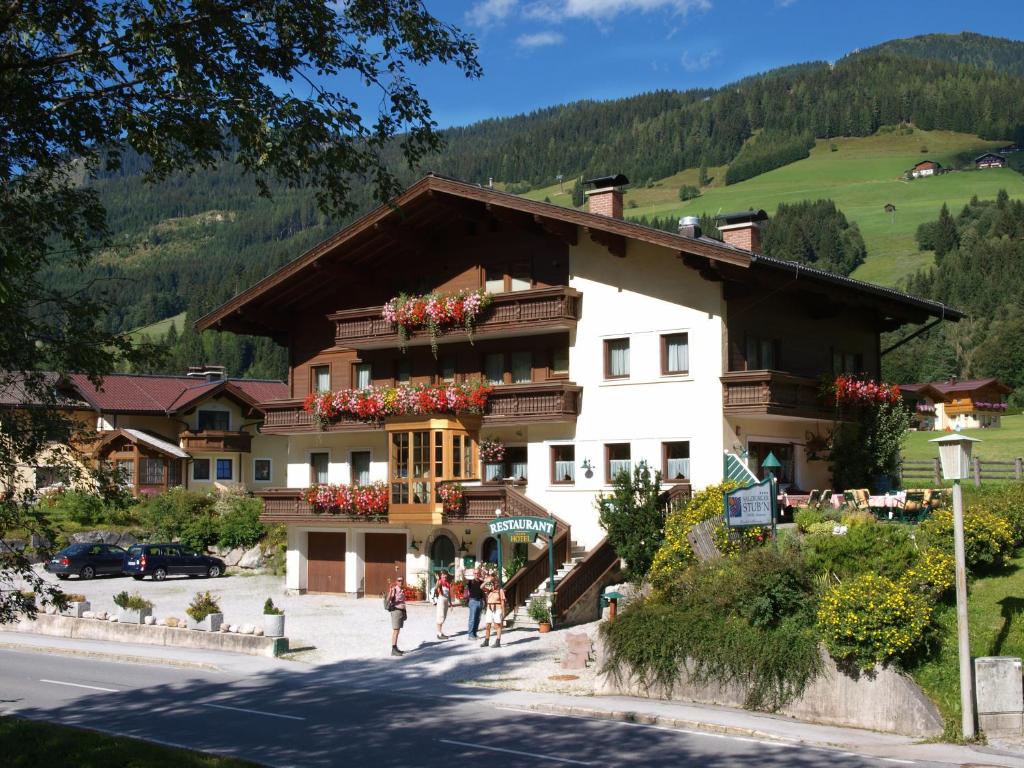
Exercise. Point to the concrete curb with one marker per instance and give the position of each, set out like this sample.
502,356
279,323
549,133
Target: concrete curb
101,656
93,629
644,718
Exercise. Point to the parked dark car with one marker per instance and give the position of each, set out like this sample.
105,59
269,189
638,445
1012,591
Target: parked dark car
87,561
163,560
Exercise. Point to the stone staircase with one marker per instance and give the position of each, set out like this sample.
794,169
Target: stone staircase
520,616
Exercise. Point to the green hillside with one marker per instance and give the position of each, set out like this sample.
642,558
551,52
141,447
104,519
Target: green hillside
158,330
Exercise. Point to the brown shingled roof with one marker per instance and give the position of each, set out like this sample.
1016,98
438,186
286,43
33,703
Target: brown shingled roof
132,393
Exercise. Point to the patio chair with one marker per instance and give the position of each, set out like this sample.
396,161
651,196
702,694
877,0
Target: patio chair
814,500
913,506
826,500
849,500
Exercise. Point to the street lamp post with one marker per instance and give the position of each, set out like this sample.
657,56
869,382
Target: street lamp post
955,456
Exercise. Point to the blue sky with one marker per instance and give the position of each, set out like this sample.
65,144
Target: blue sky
537,53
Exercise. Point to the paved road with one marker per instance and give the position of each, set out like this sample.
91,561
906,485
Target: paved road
361,714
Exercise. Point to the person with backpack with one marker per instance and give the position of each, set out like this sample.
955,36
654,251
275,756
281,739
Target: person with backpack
442,599
394,603
494,615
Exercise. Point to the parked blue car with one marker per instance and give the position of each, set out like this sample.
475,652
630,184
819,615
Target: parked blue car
87,561
163,560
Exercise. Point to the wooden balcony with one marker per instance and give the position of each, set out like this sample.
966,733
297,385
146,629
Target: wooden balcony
509,404
519,313
215,441
287,505
773,393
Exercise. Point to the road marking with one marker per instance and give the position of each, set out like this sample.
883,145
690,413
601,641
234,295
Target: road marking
901,762
474,745
79,685
254,712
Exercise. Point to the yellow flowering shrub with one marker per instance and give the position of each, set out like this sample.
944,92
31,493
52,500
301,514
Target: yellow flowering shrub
870,619
988,538
932,574
675,553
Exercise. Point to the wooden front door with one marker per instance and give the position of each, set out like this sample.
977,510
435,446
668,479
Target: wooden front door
326,562
385,560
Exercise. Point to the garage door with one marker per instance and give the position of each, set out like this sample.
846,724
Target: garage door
385,560
326,562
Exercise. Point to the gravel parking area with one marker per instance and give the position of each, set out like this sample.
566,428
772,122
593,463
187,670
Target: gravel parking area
328,629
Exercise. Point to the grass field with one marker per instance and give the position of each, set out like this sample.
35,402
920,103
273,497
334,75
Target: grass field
160,328
861,176
996,618
1001,444
29,744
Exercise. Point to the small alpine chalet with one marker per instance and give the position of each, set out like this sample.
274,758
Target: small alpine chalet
467,353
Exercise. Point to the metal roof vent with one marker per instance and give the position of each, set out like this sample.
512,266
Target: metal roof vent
689,226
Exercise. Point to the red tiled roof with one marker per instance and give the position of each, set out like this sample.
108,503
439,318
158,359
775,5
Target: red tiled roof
167,394
967,385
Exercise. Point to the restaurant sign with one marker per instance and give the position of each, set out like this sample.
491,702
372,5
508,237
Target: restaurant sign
530,526
752,506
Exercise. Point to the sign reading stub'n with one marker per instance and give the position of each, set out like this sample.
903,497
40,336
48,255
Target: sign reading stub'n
544,526
752,506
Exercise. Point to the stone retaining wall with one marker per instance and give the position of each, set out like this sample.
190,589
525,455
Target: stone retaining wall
90,629
886,701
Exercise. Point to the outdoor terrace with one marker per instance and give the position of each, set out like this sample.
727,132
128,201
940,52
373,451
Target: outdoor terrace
773,393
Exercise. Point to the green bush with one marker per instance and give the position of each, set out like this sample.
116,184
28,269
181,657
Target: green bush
805,517
539,611
933,574
239,521
870,620
202,605
269,609
675,553
170,514
1005,500
632,517
887,550
132,602
748,621
79,507
988,538
824,528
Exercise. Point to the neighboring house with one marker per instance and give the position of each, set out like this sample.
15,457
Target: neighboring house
925,168
608,343
954,404
989,160
198,431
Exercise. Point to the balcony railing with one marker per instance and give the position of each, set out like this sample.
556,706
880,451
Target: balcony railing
288,505
215,441
519,312
760,393
509,404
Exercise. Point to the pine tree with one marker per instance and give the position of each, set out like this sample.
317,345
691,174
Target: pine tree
577,192
946,237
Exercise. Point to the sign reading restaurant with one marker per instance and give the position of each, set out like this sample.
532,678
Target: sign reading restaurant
752,506
533,525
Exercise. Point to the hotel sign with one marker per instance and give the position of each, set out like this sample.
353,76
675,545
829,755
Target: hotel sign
752,506
530,526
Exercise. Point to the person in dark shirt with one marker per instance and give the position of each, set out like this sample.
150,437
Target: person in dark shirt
476,602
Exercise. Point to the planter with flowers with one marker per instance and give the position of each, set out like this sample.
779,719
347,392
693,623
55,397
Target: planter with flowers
492,454
452,497
273,619
436,312
369,502
374,404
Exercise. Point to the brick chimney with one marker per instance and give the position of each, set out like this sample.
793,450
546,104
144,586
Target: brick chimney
742,229
605,198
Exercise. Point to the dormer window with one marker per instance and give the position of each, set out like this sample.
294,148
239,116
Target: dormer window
218,420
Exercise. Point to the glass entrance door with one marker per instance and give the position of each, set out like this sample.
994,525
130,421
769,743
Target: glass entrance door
442,558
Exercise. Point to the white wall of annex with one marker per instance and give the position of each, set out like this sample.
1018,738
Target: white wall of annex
340,447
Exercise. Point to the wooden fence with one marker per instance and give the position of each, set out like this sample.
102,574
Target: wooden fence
930,471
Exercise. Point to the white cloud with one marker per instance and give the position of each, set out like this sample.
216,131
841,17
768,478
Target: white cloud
488,12
698,62
558,10
540,39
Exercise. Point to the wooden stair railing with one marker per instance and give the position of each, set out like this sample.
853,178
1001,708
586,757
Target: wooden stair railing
535,573
598,563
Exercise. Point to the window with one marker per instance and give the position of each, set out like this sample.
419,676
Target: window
321,378
360,462
675,353
503,278
419,459
762,354
225,469
173,473
261,470
847,362
402,371
319,464
47,476
151,471
514,467
616,358
400,468
675,461
448,368
362,376
616,460
782,451
200,469
519,279
125,471
494,367
214,420
563,464
522,367
495,282
560,361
